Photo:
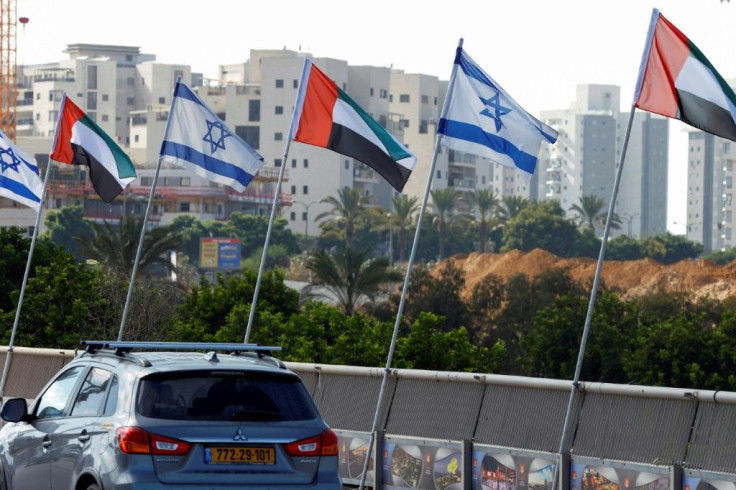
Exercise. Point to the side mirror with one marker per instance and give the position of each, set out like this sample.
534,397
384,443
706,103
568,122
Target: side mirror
15,410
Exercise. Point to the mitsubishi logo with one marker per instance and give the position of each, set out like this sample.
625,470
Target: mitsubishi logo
239,435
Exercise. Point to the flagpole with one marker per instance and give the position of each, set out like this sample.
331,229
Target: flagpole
6,367
593,293
274,206
405,289
143,232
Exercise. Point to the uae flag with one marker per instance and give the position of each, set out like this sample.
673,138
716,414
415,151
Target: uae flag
326,116
676,80
79,141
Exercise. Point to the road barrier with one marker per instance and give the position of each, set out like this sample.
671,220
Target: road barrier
463,431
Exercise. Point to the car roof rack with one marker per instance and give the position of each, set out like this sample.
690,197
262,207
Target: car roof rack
124,347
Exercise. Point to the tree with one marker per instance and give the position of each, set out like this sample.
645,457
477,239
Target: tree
115,247
347,209
443,202
65,225
350,276
14,248
511,206
541,225
430,345
437,294
402,218
484,203
590,211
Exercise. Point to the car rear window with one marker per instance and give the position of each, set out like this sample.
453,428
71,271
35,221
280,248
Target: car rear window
224,395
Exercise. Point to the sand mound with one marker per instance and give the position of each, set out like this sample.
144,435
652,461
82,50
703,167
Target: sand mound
633,278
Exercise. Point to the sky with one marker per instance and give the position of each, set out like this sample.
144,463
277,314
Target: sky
537,50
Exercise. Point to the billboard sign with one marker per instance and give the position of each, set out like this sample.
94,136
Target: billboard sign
219,253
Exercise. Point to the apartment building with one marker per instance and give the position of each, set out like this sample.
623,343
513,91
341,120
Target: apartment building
583,161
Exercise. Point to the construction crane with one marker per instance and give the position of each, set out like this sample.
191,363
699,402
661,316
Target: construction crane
8,67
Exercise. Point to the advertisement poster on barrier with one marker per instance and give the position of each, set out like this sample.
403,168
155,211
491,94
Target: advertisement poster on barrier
691,482
595,477
423,466
351,457
502,471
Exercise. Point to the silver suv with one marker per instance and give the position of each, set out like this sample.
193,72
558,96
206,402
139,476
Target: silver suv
228,417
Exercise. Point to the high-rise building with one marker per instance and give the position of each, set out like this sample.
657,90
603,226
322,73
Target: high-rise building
583,161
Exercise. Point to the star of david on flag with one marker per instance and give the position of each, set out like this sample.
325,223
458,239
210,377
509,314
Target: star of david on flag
19,179
196,139
480,118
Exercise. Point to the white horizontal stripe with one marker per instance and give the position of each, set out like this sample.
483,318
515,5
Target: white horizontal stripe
699,80
83,136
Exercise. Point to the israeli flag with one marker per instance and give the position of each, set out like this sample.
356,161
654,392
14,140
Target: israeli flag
196,139
480,118
19,179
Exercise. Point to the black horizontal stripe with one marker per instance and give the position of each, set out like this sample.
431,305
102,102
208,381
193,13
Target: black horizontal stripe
706,115
105,184
347,142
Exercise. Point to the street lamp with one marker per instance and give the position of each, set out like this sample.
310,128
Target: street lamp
629,218
306,205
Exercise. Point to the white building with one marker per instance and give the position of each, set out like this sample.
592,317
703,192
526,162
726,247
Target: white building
583,160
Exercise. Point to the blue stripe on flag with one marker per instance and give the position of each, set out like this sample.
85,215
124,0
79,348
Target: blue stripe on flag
207,163
17,188
475,134
181,90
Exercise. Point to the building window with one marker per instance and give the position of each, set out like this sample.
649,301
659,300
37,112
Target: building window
278,136
254,110
131,81
306,163
279,109
130,101
105,118
296,83
383,93
293,163
184,207
38,96
439,174
280,83
277,162
293,189
105,97
425,99
423,127
371,91
162,100
404,98
305,189
304,216
91,77
135,138
347,164
91,101
293,216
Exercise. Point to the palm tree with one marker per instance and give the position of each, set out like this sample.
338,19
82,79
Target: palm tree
485,203
402,217
443,202
348,208
592,210
351,276
115,247
512,206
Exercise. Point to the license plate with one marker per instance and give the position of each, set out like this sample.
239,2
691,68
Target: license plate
239,455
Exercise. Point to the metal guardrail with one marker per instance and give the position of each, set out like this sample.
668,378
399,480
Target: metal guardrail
464,431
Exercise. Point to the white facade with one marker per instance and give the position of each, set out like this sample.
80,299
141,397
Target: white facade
583,160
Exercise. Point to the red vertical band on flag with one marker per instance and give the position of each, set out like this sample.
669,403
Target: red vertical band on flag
669,51
63,151
315,123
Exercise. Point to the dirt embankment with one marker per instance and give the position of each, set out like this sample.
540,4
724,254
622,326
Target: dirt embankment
634,278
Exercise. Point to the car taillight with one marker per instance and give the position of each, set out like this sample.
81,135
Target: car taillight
134,440
324,444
